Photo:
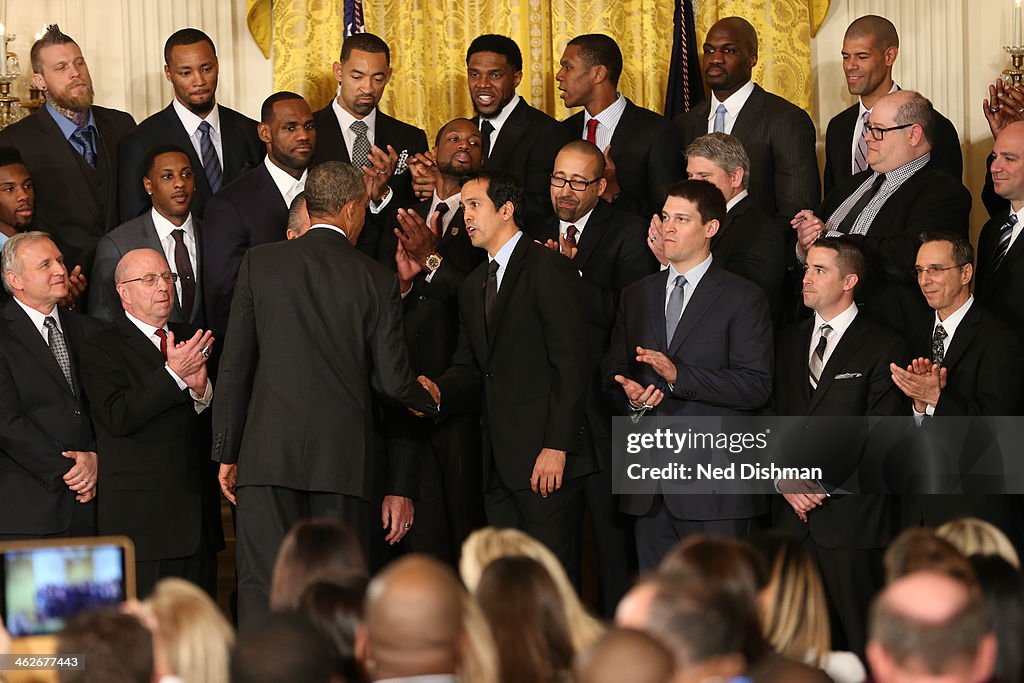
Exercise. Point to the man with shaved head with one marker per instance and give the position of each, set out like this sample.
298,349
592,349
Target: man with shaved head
625,655
930,627
869,51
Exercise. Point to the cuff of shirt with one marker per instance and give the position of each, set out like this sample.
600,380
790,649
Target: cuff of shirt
179,381
377,207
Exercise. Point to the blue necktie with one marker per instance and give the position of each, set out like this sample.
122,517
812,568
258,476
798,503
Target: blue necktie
211,162
86,140
720,119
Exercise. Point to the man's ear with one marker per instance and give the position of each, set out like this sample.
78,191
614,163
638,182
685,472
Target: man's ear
147,184
518,78
263,130
712,228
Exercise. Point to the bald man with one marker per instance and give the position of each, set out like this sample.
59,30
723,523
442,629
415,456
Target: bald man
625,655
929,627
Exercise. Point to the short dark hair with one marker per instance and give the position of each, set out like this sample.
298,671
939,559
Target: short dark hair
53,36
186,36
502,45
849,255
963,252
315,549
330,186
364,42
597,48
117,648
881,29
705,196
502,187
153,153
10,155
590,149
442,129
267,109
281,648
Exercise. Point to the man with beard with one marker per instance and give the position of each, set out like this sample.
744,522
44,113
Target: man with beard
221,143
17,196
254,210
70,147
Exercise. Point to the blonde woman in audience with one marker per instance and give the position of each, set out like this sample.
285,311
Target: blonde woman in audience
972,536
192,637
486,545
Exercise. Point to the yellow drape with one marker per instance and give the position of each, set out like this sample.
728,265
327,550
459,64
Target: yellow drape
784,31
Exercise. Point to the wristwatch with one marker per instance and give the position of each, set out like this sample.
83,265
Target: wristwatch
432,263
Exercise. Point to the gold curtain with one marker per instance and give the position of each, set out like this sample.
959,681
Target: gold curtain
784,32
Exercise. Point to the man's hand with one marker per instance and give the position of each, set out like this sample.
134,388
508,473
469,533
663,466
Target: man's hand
808,228
228,478
611,177
76,286
432,389
639,395
562,247
81,478
185,358
408,268
418,239
803,503
198,379
1005,105
424,172
547,472
665,368
378,174
925,388
654,240
396,516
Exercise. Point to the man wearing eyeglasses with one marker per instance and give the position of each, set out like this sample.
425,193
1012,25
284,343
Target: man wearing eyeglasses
147,383
885,208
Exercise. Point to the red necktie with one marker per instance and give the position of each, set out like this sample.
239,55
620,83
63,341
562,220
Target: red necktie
163,342
592,130
570,236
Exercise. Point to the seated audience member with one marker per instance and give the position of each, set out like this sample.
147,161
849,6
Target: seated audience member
298,217
281,648
1002,590
420,622
117,648
335,611
315,550
624,654
923,550
521,604
973,536
930,627
486,545
192,638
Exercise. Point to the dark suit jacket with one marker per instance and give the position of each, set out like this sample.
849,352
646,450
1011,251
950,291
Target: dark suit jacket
532,367
1001,291
722,349
946,154
138,233
241,145
780,140
244,214
648,156
40,417
74,203
157,487
862,357
929,201
293,406
527,146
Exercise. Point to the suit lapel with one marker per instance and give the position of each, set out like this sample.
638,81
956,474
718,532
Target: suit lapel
844,155
851,342
703,296
624,129
330,143
508,281
21,326
180,138
749,115
508,139
134,337
233,145
655,298
798,360
963,338
730,218
596,229
64,155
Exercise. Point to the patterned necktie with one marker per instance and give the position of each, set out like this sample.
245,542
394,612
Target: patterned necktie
59,349
162,333
938,348
186,275
1005,234
850,220
490,293
486,128
720,119
570,236
211,162
85,137
817,361
592,125
360,145
860,158
674,308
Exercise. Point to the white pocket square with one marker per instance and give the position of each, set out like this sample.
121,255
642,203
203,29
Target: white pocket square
849,375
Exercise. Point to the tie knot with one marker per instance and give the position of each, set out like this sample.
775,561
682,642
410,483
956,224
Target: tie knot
178,235
571,232
592,125
940,332
492,268
721,110
865,116
1011,221
359,127
826,330
161,332
680,281
442,209
205,127
486,127
49,323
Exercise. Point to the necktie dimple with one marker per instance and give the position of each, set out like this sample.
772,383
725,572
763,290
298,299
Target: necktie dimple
490,292
486,128
849,221
860,158
570,236
86,140
817,361
938,348
55,340
1003,246
162,333
720,118
442,210
592,125
186,275
360,145
674,308
211,162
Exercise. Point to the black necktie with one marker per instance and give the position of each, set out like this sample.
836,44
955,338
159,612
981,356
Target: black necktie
186,276
847,223
490,293
442,209
486,128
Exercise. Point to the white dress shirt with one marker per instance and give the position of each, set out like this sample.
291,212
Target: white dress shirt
580,225
38,319
452,202
164,228
499,120
191,123
735,200
606,121
286,183
200,403
345,120
693,277
504,254
733,106
839,325
335,228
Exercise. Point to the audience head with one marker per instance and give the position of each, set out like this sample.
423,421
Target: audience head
625,655
459,148
362,72
59,69
526,616
1002,591
287,129
34,271
335,611
945,266
315,550
298,217
1008,164
692,214
720,159
193,637
492,203
591,65
579,163
973,536
117,648
282,648
921,549
907,119
929,626
169,182
191,67
730,53
336,195
870,48
494,67
17,195
145,283
834,268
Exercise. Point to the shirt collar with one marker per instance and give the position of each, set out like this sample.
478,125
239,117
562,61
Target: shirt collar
610,114
38,318
149,331
736,200
580,224
505,253
345,120
733,103
452,202
839,323
693,275
164,227
66,125
335,228
860,100
191,120
499,120
286,184
954,319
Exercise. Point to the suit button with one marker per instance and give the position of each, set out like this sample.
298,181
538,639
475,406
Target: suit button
78,413
422,298
488,375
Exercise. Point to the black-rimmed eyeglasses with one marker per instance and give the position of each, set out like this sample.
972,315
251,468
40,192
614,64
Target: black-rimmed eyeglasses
578,185
877,132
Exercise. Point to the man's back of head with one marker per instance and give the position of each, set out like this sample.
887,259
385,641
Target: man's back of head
625,655
283,648
116,648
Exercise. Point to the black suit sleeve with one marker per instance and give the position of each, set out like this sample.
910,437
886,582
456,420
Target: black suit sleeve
131,195
796,164
537,180
104,302
616,361
884,397
460,384
997,380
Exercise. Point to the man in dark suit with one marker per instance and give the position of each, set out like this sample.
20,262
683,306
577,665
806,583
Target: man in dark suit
254,209
692,340
167,227
147,382
523,345
778,136
70,147
837,364
292,422
17,195
221,143
47,448
887,207
643,150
